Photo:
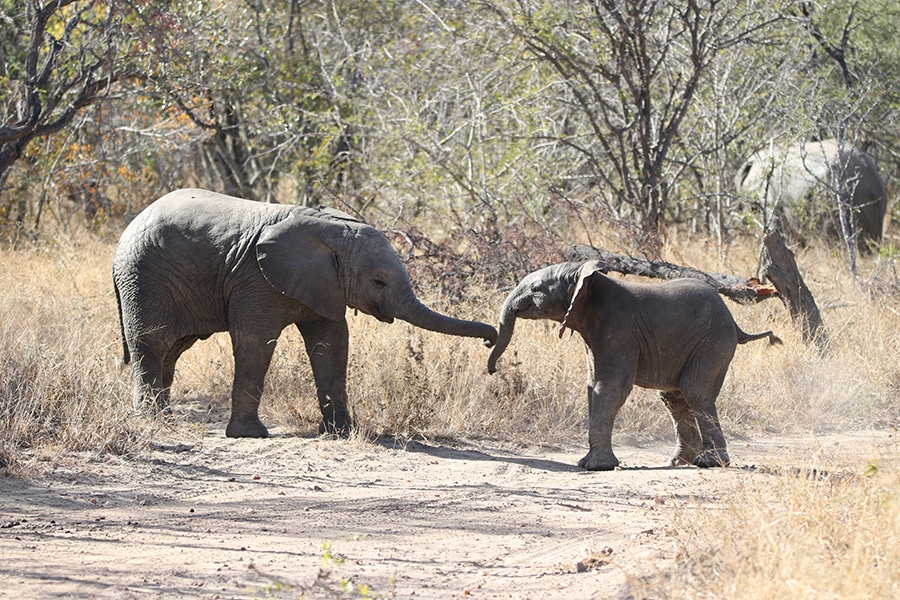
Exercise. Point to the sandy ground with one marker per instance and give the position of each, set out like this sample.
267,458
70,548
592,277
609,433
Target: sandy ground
219,518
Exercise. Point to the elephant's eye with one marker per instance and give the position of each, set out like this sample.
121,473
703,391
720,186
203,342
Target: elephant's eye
379,282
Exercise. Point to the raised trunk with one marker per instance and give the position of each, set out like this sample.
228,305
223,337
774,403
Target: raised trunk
507,324
416,313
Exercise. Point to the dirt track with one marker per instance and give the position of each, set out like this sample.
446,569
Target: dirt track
228,518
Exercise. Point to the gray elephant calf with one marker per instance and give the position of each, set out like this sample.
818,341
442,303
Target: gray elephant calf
677,337
195,262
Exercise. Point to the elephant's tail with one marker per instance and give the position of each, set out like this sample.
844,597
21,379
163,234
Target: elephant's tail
744,337
126,355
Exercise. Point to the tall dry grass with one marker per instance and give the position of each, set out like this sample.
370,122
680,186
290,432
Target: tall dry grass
829,529
831,532
63,386
60,385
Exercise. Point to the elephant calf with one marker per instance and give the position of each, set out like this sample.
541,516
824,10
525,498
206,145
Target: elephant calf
195,262
677,337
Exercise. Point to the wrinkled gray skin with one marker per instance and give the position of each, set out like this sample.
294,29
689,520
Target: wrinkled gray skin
787,179
195,262
677,337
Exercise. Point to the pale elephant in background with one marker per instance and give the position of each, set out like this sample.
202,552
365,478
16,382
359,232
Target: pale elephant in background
195,262
789,180
677,337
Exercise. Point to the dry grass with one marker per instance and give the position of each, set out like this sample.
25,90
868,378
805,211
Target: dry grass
832,531
63,386
781,534
60,385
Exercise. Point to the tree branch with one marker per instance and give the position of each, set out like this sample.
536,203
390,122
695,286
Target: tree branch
740,289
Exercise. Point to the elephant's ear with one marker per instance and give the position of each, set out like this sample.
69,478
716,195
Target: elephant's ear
296,259
578,312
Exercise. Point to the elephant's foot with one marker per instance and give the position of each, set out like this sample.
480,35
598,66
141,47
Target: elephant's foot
340,427
252,428
683,456
599,460
151,403
712,457
679,460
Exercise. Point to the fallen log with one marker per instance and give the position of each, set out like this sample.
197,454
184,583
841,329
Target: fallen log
740,289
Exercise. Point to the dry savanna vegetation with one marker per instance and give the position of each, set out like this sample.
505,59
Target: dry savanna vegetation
484,139
824,524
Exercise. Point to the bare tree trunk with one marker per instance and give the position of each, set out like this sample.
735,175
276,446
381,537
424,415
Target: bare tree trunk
58,77
781,269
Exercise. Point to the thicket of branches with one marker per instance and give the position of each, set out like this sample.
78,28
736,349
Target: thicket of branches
444,117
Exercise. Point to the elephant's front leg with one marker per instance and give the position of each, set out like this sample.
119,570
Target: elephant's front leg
252,355
327,344
605,398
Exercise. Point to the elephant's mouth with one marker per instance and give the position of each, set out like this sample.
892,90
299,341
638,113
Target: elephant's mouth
373,310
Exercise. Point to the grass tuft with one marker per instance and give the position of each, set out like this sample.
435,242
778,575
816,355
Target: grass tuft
61,384
829,532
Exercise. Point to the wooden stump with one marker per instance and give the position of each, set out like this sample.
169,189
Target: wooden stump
780,268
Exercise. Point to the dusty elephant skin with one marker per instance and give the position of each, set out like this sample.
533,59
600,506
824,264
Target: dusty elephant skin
195,262
677,337
786,179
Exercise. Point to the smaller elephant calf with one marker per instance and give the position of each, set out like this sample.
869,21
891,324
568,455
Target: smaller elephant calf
677,337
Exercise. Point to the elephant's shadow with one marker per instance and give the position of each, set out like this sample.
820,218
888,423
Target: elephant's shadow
449,452
213,414
459,451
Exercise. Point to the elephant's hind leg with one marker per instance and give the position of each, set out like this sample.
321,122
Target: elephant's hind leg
688,444
713,453
153,369
148,374
700,385
172,356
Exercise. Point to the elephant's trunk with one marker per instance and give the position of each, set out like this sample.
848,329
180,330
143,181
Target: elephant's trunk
416,313
507,324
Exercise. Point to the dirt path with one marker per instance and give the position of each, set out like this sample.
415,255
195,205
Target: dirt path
229,518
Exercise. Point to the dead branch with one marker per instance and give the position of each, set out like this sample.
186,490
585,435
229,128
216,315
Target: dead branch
780,269
740,289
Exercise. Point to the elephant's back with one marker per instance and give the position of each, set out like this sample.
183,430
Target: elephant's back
197,244
196,210
189,221
690,303
681,322
185,247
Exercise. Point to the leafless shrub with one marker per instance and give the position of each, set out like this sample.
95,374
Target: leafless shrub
454,264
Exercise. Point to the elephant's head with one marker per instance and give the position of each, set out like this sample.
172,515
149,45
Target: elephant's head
544,294
328,261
